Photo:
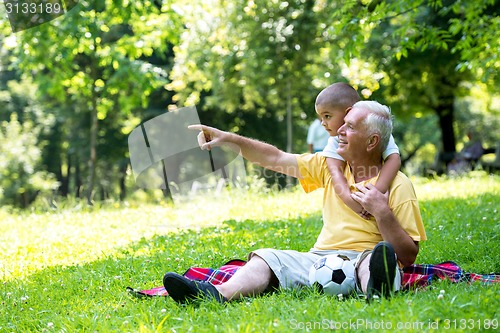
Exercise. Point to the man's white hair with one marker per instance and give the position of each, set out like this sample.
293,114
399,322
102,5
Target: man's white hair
379,120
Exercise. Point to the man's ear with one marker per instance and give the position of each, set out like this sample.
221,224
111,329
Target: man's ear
373,142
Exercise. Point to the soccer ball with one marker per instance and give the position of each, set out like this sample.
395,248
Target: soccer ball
333,275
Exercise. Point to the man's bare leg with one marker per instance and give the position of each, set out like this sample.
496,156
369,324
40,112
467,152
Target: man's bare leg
364,273
377,272
250,280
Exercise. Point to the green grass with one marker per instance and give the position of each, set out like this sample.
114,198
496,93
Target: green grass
67,270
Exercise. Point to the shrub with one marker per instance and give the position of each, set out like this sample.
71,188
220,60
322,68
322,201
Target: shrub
20,180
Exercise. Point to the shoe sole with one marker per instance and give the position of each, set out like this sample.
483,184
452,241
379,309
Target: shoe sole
178,288
382,270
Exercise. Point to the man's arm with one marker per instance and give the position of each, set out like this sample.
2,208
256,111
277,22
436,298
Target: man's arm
260,153
376,203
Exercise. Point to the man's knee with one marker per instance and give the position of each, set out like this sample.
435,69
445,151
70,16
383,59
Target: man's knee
261,267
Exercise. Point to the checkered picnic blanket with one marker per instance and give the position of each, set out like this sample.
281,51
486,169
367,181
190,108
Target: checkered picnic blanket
214,276
423,275
414,276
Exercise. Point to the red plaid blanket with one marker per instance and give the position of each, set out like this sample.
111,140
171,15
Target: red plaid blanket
422,275
214,276
414,276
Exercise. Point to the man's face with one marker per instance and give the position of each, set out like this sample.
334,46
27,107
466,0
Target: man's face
331,119
353,138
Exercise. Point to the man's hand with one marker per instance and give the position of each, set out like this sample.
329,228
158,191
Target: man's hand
208,137
377,204
373,201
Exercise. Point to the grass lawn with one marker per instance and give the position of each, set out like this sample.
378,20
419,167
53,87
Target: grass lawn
67,270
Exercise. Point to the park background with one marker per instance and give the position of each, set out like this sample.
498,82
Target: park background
72,89
76,229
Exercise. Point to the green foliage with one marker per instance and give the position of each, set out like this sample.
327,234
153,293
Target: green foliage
20,179
248,64
419,134
68,270
97,50
478,113
478,28
419,51
92,71
465,29
102,68
412,55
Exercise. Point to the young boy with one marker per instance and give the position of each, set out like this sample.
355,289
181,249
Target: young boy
332,104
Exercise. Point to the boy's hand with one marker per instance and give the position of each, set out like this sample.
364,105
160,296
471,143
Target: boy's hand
356,207
364,214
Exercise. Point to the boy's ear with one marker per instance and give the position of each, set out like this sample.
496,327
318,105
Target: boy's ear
373,142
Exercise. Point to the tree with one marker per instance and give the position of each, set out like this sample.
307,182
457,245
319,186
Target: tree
90,63
23,124
467,29
431,75
252,60
426,50
239,58
21,181
425,80
255,67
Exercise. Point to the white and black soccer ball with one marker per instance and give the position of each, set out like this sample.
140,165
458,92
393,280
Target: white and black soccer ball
333,275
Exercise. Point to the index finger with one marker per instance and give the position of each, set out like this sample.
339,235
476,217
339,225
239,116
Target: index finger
198,127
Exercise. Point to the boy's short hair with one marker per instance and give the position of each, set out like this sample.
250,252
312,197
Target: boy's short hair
338,96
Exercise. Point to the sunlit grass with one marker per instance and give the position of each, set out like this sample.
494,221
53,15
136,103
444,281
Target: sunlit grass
469,185
33,241
67,270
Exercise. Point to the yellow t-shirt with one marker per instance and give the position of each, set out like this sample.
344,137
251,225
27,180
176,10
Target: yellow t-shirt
343,229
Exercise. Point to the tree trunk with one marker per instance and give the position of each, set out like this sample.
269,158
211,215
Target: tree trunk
446,120
78,179
289,120
93,135
445,114
64,188
53,154
123,178
289,126
93,149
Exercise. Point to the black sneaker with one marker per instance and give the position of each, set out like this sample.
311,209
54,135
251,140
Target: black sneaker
183,290
382,271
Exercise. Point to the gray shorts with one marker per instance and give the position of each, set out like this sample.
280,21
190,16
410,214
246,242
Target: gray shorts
292,267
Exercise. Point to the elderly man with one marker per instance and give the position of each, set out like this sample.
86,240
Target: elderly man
392,234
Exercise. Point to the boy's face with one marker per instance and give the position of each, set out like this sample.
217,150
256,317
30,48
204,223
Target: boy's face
331,119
